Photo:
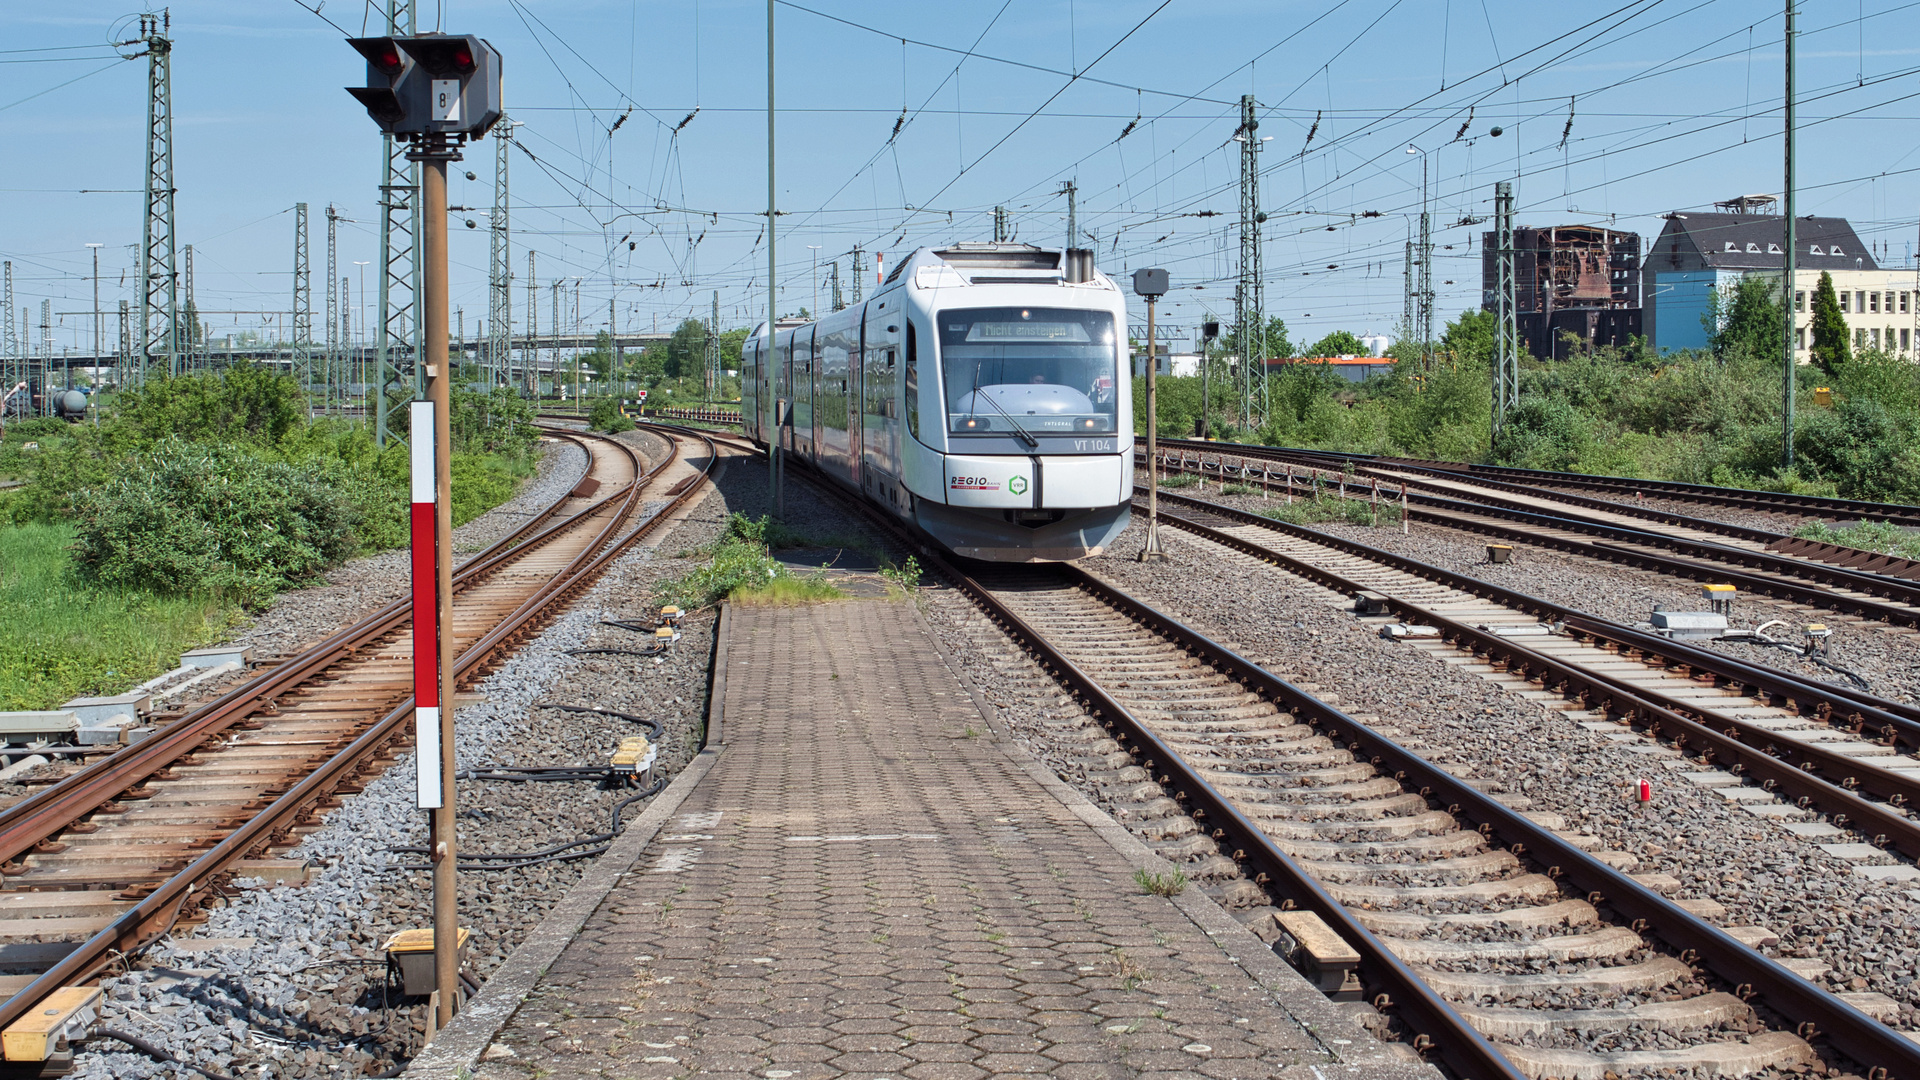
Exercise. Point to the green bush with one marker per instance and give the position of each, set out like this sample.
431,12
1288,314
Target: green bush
191,518
605,415
739,565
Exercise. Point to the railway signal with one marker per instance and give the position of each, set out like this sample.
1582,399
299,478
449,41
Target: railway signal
430,84
435,91
1152,284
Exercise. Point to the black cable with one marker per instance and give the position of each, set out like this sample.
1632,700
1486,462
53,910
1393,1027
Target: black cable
519,774
155,1052
659,730
615,652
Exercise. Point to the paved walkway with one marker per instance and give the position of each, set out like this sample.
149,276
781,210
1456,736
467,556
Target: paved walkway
869,883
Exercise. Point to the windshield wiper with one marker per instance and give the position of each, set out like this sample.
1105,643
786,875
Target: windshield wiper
1025,436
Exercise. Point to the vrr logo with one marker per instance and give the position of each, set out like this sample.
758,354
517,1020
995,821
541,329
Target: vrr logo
1017,485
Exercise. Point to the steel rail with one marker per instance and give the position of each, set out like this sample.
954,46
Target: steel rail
1888,1055
1827,571
155,913
1362,465
1774,501
1749,747
46,812
1465,1049
1887,1052
1904,719
1765,583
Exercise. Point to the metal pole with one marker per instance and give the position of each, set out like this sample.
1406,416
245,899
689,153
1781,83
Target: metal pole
1506,331
1786,292
97,327
1152,552
433,310
774,493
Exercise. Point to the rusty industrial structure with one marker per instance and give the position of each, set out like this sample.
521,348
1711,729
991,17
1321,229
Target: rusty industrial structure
1577,280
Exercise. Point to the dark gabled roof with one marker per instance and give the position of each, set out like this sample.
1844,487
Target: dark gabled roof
1753,242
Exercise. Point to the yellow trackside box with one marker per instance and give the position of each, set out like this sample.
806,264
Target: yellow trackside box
636,754
1717,592
412,952
63,1018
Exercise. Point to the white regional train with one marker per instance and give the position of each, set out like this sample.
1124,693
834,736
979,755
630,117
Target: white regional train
981,395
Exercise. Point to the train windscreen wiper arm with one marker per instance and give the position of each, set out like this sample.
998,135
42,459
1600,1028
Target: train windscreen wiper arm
1025,435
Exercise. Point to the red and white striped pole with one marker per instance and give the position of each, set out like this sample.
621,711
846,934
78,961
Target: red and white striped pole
426,611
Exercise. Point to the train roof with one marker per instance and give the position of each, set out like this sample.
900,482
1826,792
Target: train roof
988,263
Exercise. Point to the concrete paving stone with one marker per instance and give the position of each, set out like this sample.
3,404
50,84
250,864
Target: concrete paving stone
930,906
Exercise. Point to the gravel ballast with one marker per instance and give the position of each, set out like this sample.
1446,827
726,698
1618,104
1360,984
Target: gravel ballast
288,981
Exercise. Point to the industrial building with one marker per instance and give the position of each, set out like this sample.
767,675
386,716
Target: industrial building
1579,280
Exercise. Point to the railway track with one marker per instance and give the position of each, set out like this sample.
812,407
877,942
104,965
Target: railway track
1826,748
1775,502
1823,583
1501,941
114,855
1498,940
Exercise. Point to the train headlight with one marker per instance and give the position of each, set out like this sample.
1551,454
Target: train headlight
974,423
1089,424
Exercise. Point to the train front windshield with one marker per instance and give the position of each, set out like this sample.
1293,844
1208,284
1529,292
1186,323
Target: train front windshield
1051,371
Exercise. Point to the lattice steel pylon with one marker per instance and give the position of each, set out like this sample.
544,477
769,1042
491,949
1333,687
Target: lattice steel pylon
500,266
1506,329
1249,323
396,378
336,300
858,269
184,337
530,356
302,343
1423,293
710,363
10,344
159,276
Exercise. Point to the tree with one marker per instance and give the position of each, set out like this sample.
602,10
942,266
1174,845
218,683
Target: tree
600,360
1831,349
1745,320
1277,347
1470,337
687,349
1338,343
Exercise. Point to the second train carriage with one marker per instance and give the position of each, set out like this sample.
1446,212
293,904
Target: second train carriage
981,394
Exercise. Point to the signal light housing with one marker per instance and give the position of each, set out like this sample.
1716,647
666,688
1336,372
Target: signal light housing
444,57
383,55
430,84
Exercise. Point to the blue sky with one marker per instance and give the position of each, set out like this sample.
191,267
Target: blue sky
1674,104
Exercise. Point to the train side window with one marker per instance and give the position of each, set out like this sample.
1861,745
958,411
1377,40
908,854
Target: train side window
912,391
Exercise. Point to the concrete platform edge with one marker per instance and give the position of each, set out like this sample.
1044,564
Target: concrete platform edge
457,1049
1360,1054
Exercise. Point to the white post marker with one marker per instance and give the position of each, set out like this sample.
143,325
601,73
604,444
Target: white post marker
426,613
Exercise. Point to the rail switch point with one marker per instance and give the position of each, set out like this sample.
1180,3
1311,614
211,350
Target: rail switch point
412,952
65,1017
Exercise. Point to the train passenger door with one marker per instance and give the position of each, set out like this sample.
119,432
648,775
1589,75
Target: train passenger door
856,441
804,436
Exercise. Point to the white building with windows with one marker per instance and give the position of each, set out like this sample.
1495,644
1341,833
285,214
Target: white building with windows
1699,255
1882,308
